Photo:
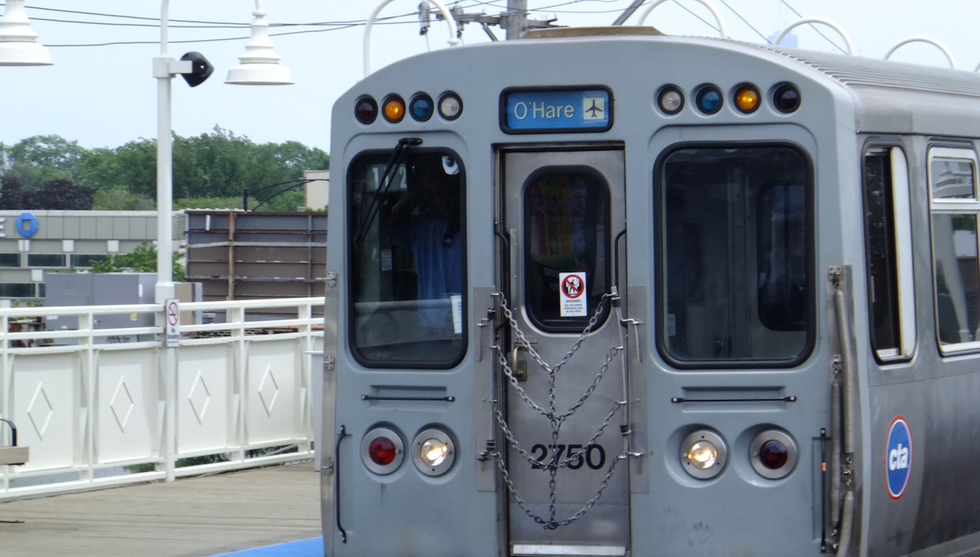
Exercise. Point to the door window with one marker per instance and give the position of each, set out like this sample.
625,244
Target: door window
566,219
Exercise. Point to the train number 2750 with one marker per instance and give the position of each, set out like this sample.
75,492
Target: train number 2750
594,457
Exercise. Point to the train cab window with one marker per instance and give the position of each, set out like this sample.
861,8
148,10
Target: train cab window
407,258
888,244
955,206
736,240
566,216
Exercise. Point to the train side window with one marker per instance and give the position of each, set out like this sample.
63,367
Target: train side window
953,183
888,244
407,259
736,244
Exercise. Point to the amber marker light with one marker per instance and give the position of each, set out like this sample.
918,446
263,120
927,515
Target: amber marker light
747,99
394,109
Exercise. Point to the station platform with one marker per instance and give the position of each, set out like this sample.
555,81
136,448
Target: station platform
266,512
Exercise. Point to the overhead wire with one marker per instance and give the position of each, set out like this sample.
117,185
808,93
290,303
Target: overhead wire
208,25
329,26
688,10
745,21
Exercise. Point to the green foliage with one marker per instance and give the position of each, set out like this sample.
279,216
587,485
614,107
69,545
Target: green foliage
277,199
143,259
40,159
131,167
219,164
118,199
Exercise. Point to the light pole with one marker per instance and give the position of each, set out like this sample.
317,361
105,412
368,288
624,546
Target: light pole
260,65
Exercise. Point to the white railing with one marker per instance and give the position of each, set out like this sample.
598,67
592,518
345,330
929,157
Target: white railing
95,414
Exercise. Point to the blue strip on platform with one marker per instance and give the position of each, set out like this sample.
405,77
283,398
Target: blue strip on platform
303,548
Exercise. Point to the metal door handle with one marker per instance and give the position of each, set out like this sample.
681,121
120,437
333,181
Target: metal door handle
518,367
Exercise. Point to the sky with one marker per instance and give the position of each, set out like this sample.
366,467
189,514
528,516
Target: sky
106,96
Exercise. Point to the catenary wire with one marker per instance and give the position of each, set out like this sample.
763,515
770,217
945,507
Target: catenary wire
745,21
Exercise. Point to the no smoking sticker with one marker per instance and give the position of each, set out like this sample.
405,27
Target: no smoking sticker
173,323
571,294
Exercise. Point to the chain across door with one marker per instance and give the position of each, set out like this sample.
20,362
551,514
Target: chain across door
560,353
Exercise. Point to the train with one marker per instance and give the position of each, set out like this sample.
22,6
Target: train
604,291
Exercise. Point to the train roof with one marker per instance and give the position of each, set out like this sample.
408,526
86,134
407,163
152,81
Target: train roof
890,97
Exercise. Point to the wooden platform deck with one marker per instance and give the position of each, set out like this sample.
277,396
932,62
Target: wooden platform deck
192,517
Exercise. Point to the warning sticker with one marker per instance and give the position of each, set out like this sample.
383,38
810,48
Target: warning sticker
572,299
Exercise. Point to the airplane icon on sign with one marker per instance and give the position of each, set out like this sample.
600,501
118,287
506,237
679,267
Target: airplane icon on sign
594,112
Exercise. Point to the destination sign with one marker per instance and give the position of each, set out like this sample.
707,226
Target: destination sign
556,110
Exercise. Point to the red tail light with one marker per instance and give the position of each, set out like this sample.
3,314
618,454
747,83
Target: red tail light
382,451
773,454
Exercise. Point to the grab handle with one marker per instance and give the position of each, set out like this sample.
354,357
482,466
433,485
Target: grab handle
336,480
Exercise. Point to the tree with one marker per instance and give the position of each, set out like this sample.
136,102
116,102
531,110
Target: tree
143,259
40,159
64,195
131,167
118,199
218,164
56,195
10,193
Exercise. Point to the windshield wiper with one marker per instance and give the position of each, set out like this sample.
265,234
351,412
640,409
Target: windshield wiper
396,157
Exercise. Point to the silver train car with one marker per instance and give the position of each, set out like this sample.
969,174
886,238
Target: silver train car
608,292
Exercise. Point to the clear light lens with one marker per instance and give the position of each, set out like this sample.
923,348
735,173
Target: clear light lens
747,99
450,106
671,101
703,455
433,452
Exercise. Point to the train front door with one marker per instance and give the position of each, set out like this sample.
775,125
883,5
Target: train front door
562,395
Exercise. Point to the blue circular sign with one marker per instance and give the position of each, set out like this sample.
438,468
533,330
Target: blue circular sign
898,458
26,225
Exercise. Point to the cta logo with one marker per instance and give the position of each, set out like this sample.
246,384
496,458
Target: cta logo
898,458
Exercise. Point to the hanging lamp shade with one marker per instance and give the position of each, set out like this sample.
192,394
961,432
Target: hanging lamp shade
260,63
18,42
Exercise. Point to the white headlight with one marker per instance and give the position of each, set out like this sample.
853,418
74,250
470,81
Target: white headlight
433,452
703,454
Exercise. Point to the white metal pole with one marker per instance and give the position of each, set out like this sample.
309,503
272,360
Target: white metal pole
165,285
